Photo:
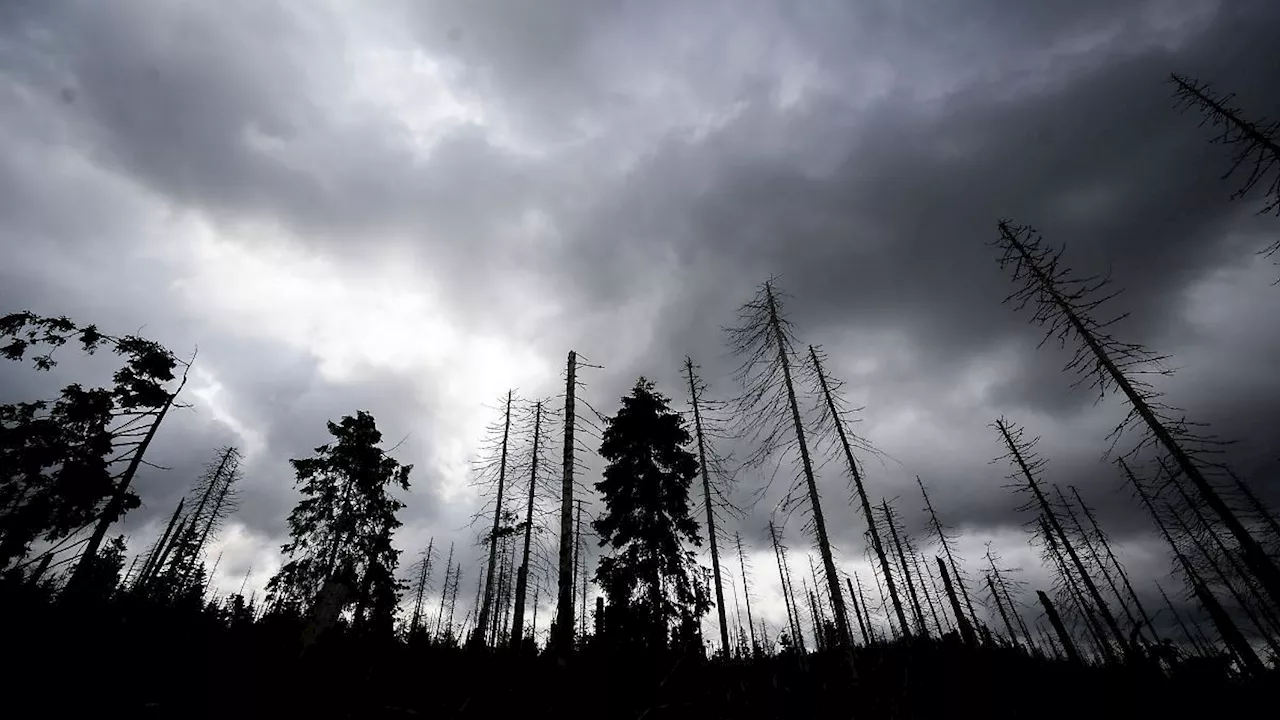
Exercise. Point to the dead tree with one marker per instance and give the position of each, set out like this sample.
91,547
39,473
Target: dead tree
1000,580
564,599
1065,305
1253,143
746,593
695,400
792,612
1071,589
1022,454
423,573
895,533
856,599
1227,628
765,343
946,541
1195,639
116,505
1008,626
444,592
1091,552
966,628
923,576
1064,637
159,547
1115,563
522,577
486,604
834,417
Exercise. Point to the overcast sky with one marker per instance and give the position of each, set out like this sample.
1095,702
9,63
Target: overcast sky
409,207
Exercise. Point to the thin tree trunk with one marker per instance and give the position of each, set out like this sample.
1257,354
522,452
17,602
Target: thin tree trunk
1052,519
444,591
876,545
819,523
486,606
1069,579
1227,628
746,594
115,506
966,629
995,594
564,598
522,579
706,495
1124,576
782,578
906,571
1064,637
924,589
1093,554
857,610
145,572
1186,631
1255,556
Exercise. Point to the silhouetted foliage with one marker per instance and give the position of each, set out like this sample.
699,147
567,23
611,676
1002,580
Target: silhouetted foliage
341,530
652,582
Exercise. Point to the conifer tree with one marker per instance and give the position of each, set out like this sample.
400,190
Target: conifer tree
649,578
341,530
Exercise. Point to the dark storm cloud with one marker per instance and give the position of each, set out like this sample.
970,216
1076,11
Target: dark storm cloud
643,166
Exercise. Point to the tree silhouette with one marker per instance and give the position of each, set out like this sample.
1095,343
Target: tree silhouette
68,464
651,581
341,530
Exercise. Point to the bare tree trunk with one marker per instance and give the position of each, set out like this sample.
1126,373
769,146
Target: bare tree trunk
924,590
1016,451
1093,555
966,629
957,579
857,610
564,598
706,495
906,571
1186,631
522,579
819,523
1064,637
746,594
115,506
147,567
786,594
876,545
486,605
1255,556
1124,576
1227,628
444,590
1077,596
995,594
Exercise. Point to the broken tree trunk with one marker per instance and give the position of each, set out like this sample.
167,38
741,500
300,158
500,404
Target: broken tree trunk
966,629
906,572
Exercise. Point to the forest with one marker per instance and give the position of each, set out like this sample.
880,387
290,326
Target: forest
353,626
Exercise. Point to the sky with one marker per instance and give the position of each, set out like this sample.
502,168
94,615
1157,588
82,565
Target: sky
410,207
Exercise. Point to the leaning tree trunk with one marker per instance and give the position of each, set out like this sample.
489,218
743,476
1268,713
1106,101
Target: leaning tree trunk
706,495
486,605
746,595
1093,555
115,506
1111,556
565,592
966,628
957,579
786,595
906,572
1051,518
1064,637
522,578
857,611
819,523
876,545
1075,317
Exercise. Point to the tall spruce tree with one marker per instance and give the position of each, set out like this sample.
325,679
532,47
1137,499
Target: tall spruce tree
341,530
651,580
